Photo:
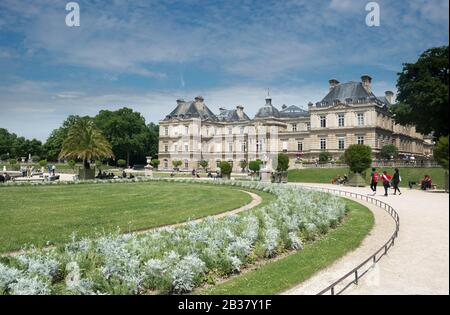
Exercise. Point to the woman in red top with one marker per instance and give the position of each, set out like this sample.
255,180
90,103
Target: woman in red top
386,178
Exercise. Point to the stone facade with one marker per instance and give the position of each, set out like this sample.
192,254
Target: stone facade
350,113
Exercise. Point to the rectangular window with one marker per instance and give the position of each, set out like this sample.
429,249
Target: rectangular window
176,148
360,119
323,122
323,144
244,146
308,126
300,146
186,148
285,145
241,131
166,148
341,143
166,131
230,147
294,127
186,130
341,120
360,139
230,131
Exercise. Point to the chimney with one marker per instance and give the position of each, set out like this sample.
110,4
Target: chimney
367,83
240,111
333,83
389,96
199,99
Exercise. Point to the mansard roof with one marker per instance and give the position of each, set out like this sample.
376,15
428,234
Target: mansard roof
232,115
293,112
192,109
268,110
351,93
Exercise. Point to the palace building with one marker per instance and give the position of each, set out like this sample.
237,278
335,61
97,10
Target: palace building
349,114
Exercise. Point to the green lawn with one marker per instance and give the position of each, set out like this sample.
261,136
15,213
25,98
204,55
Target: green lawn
280,275
37,214
325,175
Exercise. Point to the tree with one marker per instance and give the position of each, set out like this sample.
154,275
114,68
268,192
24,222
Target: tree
243,164
155,163
389,151
126,131
283,162
52,147
177,163
13,146
358,157
441,152
71,163
325,156
255,166
153,139
43,163
423,93
85,142
204,164
225,168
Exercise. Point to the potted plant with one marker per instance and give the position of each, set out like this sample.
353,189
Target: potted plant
280,175
255,167
85,142
359,158
243,164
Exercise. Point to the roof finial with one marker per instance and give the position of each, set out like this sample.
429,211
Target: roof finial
268,93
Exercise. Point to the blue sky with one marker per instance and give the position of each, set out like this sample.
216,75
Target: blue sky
146,54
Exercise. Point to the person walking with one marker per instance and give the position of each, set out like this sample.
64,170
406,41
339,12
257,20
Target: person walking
396,179
374,180
386,182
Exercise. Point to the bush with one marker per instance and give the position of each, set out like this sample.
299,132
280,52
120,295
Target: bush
177,163
35,158
4,157
325,156
358,157
42,163
155,163
204,164
389,151
225,168
12,161
283,162
121,163
255,166
72,163
441,152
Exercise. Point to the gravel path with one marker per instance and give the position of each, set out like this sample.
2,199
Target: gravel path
417,264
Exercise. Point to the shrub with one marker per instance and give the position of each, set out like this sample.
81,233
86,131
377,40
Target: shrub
225,168
255,166
35,158
358,157
155,163
12,161
4,157
72,164
43,163
283,162
204,164
177,163
389,151
325,156
121,163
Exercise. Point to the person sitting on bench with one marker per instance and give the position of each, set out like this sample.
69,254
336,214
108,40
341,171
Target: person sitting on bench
426,183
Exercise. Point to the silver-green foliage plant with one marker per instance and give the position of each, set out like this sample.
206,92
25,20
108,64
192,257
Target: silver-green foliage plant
176,259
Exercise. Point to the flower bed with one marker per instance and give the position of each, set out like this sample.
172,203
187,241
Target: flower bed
176,259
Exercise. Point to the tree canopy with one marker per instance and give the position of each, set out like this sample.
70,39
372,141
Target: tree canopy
423,93
389,151
126,131
441,152
18,146
85,142
358,157
283,162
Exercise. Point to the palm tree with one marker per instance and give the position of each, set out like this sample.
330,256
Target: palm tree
85,141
